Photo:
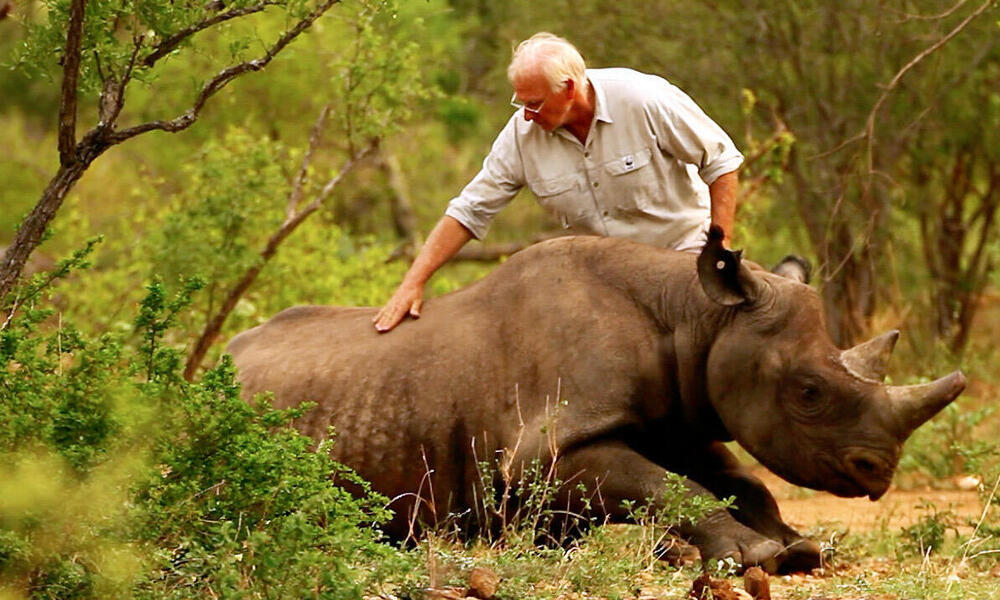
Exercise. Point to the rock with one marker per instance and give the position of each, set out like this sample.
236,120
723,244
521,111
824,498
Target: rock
756,584
483,583
967,483
448,593
706,588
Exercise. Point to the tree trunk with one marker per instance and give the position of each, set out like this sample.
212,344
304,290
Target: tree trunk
32,229
849,290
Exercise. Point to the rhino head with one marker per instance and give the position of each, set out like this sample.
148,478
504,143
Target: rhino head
816,415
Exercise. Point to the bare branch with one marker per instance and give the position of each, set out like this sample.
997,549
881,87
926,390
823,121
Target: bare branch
404,220
113,92
869,131
171,43
296,195
335,181
912,17
222,80
71,75
494,252
214,325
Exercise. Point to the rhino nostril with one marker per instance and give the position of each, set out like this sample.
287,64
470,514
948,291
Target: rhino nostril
863,465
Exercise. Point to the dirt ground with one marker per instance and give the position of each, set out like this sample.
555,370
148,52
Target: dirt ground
804,509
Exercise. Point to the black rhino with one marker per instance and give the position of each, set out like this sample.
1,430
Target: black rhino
661,357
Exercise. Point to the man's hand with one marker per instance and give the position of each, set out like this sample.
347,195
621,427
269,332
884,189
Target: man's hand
447,237
406,300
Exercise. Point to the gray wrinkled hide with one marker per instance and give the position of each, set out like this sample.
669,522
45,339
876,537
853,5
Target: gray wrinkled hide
611,352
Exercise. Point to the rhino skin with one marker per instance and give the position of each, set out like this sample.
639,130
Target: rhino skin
659,357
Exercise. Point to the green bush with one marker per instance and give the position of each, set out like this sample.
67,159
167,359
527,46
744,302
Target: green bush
120,479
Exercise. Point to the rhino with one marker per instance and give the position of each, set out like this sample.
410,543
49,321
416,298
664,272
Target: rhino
658,358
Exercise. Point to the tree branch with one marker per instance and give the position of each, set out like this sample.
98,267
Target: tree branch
113,92
222,80
71,75
869,131
214,325
295,197
335,181
171,43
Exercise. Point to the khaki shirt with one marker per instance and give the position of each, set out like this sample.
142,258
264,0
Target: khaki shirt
643,173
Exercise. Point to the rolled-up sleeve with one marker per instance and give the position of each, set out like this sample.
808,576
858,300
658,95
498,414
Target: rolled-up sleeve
687,133
496,184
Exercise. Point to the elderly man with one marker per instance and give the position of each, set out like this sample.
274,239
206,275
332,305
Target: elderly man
609,152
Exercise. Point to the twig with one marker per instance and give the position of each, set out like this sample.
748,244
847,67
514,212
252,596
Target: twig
222,80
300,177
171,43
869,132
214,325
982,518
911,17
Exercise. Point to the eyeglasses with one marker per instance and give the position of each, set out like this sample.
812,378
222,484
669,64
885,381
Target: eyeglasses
528,107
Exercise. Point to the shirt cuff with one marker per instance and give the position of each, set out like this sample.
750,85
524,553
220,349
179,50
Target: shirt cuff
466,215
720,167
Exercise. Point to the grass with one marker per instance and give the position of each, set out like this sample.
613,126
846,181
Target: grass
609,564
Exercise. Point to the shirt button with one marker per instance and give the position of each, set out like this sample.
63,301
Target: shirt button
597,183
586,154
605,213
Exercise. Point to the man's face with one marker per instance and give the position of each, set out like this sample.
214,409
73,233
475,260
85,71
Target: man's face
548,109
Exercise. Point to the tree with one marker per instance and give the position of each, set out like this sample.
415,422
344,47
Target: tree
842,78
953,192
103,48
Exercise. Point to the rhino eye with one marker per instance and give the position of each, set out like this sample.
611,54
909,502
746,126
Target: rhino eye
810,394
810,400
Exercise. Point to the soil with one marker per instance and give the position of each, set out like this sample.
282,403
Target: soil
806,509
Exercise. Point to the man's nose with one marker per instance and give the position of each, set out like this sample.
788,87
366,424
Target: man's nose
529,116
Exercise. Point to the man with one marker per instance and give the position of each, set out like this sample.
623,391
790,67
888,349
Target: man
609,152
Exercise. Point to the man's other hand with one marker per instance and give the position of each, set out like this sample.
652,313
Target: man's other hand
406,299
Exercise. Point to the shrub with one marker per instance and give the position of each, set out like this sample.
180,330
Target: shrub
121,479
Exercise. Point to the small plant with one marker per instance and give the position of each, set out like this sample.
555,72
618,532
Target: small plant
928,534
946,446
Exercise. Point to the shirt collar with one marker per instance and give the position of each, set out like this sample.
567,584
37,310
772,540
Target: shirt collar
601,111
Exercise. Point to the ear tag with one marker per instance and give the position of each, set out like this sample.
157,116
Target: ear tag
718,270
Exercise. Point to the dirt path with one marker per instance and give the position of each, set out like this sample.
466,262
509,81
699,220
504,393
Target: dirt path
805,509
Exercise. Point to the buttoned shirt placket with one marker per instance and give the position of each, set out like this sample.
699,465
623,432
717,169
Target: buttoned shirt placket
593,184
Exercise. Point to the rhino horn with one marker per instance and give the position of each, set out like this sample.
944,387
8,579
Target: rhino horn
869,360
913,405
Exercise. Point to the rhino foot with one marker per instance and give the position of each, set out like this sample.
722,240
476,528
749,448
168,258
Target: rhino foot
762,552
800,556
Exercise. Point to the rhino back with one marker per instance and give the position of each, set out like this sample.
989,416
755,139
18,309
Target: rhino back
490,361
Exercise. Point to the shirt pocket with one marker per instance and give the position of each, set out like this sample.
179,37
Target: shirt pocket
633,184
561,196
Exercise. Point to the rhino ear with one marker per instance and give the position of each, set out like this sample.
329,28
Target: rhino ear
723,275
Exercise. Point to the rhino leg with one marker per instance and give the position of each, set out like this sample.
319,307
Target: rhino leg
620,473
724,475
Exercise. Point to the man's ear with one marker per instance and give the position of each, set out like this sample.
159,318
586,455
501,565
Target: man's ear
723,276
570,89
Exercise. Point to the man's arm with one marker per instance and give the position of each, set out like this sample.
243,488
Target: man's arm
444,241
723,194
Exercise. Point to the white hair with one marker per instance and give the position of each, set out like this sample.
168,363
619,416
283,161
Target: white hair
558,60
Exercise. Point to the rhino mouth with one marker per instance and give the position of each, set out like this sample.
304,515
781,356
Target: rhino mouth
852,477
869,472
860,472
